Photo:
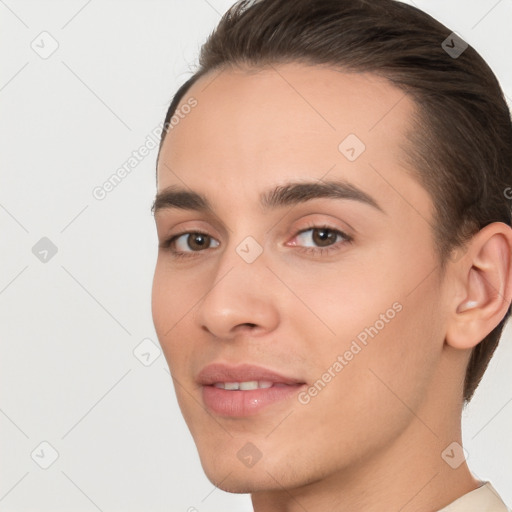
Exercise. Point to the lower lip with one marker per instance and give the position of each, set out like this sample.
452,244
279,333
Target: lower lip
238,403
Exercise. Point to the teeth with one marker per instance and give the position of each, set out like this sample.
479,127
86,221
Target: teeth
252,384
244,386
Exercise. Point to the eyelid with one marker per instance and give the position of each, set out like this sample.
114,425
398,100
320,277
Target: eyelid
173,220
167,242
347,239
319,223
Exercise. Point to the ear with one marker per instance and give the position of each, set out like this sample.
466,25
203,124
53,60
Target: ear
483,286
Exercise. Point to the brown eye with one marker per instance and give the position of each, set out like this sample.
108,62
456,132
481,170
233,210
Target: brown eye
321,240
321,236
324,236
198,241
188,243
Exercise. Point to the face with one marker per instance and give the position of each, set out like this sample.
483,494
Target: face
324,289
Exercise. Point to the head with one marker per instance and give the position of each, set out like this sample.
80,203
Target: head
409,152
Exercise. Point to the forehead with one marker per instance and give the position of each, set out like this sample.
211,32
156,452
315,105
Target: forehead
253,128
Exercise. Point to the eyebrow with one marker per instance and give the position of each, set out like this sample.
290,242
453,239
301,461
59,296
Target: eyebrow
283,195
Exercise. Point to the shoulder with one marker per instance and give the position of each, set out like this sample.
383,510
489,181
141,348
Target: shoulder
483,499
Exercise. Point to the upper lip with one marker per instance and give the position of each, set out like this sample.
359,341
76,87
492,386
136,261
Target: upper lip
220,372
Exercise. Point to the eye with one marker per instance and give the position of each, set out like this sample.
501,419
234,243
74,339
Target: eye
195,241
323,239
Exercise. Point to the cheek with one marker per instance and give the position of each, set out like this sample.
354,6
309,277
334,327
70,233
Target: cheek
401,357
173,297
386,325
170,307
161,302
365,399
341,304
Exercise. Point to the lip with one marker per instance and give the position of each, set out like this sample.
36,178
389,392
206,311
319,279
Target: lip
238,403
219,372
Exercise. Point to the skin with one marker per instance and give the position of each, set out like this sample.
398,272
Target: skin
372,438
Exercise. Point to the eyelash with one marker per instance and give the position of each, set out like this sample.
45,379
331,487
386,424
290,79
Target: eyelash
167,244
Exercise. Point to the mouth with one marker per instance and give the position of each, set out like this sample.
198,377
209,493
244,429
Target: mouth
248,385
244,390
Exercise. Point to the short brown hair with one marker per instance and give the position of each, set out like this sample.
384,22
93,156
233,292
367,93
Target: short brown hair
461,145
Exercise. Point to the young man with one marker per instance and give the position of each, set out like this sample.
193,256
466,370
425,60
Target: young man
334,269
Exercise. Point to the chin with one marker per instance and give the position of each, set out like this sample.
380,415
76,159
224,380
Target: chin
227,472
236,485
245,481
224,470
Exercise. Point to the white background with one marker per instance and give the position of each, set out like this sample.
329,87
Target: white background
68,327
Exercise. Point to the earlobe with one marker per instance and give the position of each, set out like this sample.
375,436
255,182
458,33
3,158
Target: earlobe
485,276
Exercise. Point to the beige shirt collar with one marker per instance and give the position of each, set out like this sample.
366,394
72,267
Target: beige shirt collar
483,499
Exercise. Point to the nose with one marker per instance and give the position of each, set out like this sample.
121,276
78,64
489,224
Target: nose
240,298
